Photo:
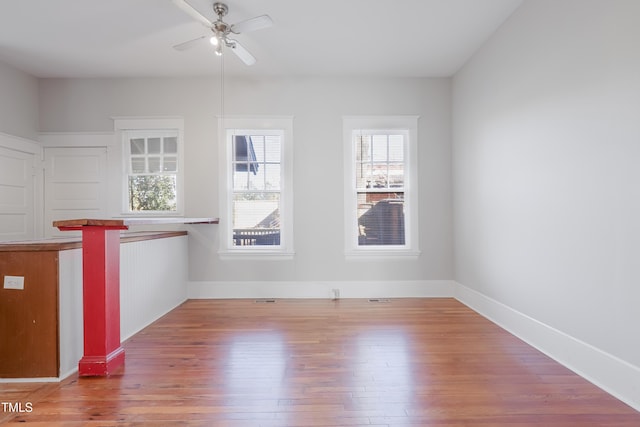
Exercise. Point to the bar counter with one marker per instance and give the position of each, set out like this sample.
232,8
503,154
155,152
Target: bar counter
33,311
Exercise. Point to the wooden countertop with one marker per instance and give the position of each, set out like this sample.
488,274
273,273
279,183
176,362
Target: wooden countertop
125,222
73,242
65,243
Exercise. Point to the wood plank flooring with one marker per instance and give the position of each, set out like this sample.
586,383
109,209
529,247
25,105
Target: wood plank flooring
407,362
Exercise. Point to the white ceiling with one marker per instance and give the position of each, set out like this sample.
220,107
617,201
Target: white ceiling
130,38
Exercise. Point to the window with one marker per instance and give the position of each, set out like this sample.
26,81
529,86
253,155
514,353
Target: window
152,171
257,197
256,188
381,186
152,164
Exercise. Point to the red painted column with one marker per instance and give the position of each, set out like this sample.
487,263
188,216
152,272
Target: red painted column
103,353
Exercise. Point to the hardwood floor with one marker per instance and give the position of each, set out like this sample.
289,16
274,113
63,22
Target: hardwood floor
406,362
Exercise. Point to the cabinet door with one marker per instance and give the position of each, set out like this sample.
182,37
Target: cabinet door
75,185
29,316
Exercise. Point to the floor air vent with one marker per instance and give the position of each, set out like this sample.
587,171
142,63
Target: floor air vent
264,300
379,300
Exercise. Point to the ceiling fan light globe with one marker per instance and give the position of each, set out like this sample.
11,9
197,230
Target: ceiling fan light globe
214,41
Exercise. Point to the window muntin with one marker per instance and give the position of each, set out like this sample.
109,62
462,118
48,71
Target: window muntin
152,171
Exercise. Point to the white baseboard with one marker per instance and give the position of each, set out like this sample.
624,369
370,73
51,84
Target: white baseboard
615,376
30,380
347,289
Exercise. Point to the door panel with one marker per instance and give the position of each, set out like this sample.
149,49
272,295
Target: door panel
75,185
16,195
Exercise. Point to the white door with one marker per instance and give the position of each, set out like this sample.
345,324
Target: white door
75,185
16,195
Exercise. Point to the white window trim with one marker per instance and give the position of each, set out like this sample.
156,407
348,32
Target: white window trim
411,248
125,124
230,124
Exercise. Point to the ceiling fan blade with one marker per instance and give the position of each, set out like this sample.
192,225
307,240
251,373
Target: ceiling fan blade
257,23
241,52
189,10
189,44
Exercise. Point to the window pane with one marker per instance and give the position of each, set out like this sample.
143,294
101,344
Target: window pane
379,151
244,154
396,175
240,147
240,181
396,148
379,176
170,164
363,175
258,147
170,144
272,177
152,193
363,148
154,164
381,219
153,145
138,165
272,149
137,145
256,181
256,219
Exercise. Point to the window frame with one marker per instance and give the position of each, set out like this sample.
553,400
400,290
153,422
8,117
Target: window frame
246,125
385,125
150,126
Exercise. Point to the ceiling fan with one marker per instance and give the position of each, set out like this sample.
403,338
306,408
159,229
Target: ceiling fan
221,30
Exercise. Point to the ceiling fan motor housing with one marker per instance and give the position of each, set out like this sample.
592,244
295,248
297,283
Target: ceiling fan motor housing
220,9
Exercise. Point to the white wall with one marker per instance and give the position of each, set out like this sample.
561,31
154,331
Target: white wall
18,103
317,104
546,173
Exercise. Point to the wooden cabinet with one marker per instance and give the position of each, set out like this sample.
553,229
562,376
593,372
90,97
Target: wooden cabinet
29,316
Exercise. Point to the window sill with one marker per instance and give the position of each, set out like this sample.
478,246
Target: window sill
167,214
382,254
256,255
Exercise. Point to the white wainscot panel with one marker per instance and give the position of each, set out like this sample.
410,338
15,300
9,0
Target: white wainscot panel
153,281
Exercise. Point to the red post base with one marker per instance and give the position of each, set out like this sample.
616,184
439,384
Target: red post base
101,366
